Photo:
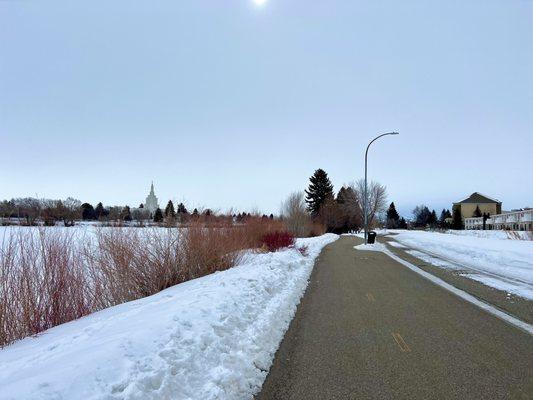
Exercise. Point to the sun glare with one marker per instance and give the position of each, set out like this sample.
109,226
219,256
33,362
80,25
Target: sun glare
259,2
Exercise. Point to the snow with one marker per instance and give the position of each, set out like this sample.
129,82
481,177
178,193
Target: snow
503,264
496,234
371,247
210,338
397,245
431,260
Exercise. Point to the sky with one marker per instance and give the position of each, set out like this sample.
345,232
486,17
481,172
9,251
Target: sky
224,103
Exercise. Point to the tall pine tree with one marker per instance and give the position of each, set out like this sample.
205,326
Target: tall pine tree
432,219
99,211
320,189
457,219
158,215
169,210
182,209
393,218
444,215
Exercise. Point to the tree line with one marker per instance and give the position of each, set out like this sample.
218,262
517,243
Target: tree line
30,211
320,208
424,218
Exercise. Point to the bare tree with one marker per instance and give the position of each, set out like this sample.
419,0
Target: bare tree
49,212
28,208
140,215
70,211
376,199
7,209
295,215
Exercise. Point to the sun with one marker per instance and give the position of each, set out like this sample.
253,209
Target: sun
259,2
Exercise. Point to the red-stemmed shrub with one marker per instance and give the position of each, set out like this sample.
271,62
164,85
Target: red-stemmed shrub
49,276
277,240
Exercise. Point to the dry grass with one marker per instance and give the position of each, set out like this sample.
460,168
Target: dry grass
49,276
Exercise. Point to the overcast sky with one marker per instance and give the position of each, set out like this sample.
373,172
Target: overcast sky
223,103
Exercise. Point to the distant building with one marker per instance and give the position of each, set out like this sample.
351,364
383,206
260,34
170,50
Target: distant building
151,204
520,220
486,205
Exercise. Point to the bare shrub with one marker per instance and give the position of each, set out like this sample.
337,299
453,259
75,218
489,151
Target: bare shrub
317,228
43,283
295,215
49,276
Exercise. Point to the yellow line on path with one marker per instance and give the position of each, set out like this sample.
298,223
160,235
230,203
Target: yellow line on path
400,342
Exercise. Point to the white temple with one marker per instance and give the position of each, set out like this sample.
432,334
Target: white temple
151,204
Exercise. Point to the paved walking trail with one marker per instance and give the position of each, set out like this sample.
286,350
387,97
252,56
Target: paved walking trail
369,328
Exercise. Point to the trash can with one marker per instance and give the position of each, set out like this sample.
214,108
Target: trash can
372,237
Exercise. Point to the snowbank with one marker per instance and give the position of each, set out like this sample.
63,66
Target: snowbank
502,264
371,247
211,338
498,234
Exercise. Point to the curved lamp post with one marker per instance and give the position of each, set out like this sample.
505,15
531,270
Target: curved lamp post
365,205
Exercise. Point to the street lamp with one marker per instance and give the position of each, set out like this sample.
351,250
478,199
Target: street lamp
365,205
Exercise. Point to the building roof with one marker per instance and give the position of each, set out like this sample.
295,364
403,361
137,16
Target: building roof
478,198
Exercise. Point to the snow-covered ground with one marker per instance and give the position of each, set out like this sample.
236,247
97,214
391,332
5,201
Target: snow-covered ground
210,338
502,264
498,234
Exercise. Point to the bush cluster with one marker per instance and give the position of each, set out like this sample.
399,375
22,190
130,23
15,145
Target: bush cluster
49,276
277,240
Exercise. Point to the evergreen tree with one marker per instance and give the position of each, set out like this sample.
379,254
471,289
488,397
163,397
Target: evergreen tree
169,210
457,219
99,211
87,211
342,196
444,215
271,216
158,215
402,224
319,191
422,216
182,209
432,219
477,213
442,219
348,211
195,213
126,214
393,218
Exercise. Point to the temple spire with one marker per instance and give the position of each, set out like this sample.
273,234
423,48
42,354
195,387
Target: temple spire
151,203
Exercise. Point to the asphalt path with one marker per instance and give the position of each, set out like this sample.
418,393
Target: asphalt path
369,328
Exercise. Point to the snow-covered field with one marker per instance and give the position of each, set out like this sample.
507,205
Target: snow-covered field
210,338
79,233
499,234
502,264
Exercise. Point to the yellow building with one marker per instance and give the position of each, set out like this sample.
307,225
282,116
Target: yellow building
486,205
